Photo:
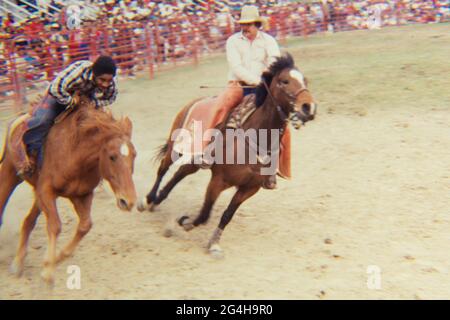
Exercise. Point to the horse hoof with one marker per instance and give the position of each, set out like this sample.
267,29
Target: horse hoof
186,223
16,268
48,278
216,252
142,205
153,207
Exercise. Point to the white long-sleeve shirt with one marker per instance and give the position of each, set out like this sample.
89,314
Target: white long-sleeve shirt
248,59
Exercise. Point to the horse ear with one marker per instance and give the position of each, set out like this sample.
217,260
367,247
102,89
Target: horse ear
128,125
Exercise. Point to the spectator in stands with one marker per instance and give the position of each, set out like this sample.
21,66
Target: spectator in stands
58,44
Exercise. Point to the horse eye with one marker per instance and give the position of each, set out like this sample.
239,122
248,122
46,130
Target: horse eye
285,81
113,158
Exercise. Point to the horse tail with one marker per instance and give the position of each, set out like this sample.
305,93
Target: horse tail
161,151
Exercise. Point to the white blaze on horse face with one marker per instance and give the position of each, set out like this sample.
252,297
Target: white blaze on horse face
124,150
297,75
313,108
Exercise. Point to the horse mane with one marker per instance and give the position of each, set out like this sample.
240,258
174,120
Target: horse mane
281,63
91,122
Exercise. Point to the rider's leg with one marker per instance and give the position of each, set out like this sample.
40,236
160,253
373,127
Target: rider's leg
39,125
226,101
284,163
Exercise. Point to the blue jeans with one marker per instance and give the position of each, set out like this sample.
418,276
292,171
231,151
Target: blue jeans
39,126
248,91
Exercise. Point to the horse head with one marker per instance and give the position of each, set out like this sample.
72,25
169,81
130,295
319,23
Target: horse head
117,166
288,89
111,140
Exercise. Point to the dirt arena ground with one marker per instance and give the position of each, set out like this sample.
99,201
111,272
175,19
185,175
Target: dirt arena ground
371,187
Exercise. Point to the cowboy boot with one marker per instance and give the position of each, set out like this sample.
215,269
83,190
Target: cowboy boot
27,167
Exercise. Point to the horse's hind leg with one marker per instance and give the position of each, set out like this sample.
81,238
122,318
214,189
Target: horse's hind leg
182,172
215,188
8,182
239,197
47,202
166,162
27,228
83,208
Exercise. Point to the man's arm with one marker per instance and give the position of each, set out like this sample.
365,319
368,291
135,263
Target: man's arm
236,66
65,80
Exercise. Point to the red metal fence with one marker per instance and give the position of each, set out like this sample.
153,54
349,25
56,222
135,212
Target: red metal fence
30,62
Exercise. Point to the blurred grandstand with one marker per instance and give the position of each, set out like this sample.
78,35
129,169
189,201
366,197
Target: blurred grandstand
38,38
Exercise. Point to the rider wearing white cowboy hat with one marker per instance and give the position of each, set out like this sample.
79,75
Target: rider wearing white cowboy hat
249,53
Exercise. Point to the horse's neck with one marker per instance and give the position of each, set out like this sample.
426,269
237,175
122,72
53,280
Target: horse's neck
266,117
86,150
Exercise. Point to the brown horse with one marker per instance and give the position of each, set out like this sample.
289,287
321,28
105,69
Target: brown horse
88,146
281,97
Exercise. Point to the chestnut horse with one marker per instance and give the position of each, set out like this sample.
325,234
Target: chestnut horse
88,146
282,96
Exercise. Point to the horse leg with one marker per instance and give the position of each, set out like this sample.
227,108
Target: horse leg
82,207
9,181
181,173
215,188
243,193
145,203
47,202
27,228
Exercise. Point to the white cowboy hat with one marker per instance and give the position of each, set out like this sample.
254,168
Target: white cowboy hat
250,14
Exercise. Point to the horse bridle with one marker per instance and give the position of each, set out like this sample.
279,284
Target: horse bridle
284,117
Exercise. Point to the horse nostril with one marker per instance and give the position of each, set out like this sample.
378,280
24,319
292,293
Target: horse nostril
123,203
306,108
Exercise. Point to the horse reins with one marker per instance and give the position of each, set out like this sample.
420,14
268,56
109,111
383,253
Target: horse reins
284,117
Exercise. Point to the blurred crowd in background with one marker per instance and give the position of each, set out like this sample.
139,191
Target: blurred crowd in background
140,32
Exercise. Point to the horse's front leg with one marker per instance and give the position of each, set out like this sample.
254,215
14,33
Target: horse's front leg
82,206
47,202
146,202
239,197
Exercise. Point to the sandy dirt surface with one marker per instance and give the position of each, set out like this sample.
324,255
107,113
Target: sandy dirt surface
371,187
